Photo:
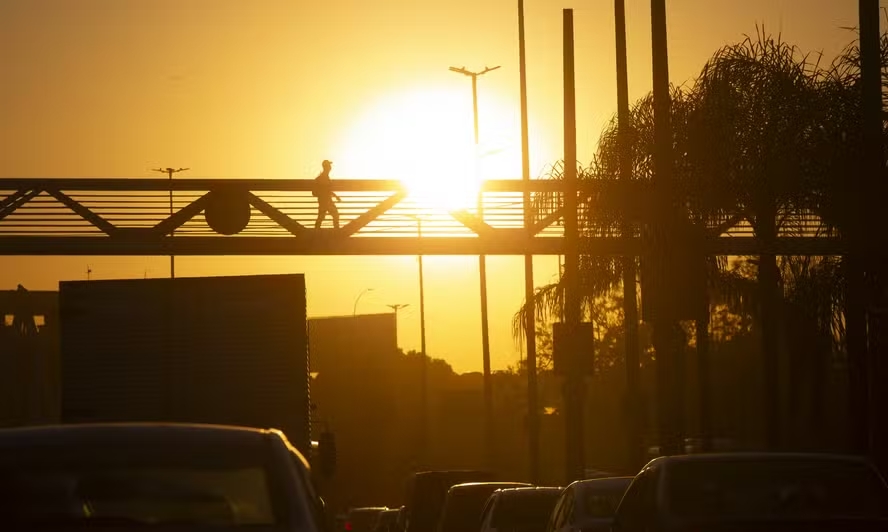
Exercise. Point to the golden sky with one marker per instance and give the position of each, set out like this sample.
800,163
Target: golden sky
269,88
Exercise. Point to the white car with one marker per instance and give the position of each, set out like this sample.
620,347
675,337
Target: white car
159,476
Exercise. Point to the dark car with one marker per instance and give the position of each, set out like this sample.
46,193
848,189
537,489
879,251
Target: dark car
755,492
387,521
158,475
426,492
363,519
588,505
465,502
519,509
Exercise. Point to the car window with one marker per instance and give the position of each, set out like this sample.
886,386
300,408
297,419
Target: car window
525,511
631,510
776,488
599,500
224,486
556,520
488,509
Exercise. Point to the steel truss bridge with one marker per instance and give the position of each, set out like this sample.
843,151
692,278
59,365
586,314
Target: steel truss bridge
132,216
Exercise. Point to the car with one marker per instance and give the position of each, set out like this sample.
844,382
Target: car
465,502
363,519
588,505
427,491
755,492
519,509
155,474
387,521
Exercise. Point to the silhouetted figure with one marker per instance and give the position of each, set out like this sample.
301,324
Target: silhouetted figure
323,190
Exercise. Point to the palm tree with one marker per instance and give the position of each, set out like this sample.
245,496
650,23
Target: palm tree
743,137
750,133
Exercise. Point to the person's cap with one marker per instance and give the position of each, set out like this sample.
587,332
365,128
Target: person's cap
326,162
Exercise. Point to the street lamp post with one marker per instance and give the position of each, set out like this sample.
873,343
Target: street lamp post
482,272
170,172
533,425
423,363
358,299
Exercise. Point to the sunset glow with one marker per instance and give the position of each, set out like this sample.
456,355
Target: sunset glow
424,138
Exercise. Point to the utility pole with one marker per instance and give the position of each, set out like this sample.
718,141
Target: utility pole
424,362
574,384
630,296
396,307
170,172
482,270
668,337
533,414
869,361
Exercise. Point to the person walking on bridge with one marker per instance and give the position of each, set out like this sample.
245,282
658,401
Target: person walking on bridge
323,190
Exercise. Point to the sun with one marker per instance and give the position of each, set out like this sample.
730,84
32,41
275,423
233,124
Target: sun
424,138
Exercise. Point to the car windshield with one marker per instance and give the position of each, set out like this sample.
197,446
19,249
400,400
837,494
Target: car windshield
463,508
222,486
528,510
601,500
775,489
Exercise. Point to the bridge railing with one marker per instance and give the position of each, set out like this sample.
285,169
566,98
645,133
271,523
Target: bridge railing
136,212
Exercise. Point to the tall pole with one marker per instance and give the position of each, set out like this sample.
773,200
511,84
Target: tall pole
871,368
630,296
574,384
172,231
170,172
667,333
482,273
424,363
533,415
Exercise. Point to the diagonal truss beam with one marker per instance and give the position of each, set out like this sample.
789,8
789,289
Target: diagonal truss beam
179,219
16,200
473,222
727,224
550,219
361,221
295,228
102,224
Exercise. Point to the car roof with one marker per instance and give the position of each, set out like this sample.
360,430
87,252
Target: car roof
609,482
756,456
470,486
528,491
120,433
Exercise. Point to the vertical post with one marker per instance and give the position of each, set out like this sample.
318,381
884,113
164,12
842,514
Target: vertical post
871,367
533,415
172,256
482,273
424,363
485,329
574,396
630,295
667,335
